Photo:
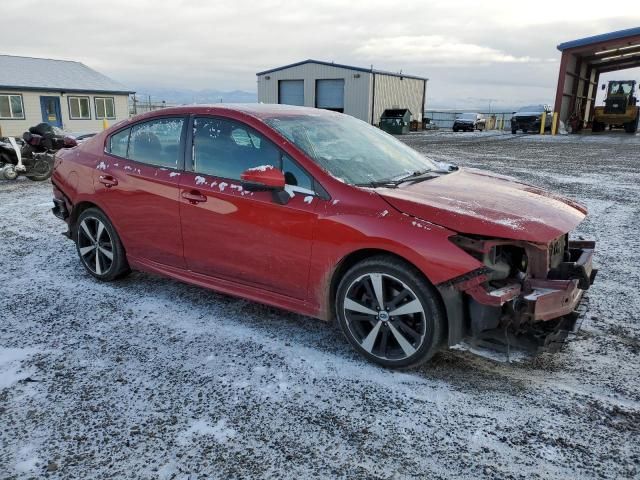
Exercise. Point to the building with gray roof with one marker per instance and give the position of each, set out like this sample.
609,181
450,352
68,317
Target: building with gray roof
63,93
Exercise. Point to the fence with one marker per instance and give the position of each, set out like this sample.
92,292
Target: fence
143,105
445,119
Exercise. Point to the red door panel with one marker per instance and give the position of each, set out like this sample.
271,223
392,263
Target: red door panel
144,206
246,236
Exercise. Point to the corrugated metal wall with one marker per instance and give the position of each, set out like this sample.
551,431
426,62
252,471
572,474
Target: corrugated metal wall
398,92
357,86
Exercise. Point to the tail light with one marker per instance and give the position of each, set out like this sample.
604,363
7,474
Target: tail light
70,142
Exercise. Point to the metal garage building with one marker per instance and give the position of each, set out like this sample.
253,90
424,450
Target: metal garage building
364,93
583,61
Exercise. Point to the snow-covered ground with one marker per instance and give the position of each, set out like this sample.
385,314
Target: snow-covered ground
150,378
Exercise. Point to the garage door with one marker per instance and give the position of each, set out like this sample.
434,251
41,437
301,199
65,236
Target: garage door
291,92
330,94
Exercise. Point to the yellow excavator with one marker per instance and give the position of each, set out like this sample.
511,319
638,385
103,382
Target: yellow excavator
620,108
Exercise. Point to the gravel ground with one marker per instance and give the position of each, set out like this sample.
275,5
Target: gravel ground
150,378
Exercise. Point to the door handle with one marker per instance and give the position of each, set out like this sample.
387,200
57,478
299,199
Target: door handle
194,197
108,181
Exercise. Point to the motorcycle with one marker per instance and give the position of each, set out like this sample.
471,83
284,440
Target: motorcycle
33,155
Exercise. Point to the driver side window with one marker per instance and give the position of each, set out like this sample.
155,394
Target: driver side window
224,148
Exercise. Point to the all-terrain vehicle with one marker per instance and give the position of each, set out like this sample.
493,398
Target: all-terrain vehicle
620,108
33,155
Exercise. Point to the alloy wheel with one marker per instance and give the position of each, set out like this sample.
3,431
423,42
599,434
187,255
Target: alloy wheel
384,316
95,245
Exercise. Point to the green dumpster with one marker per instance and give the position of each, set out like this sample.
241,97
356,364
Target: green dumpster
396,120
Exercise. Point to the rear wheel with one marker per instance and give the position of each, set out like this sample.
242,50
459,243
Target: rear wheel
42,168
99,246
389,313
597,126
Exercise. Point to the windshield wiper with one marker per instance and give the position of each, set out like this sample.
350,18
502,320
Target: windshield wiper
417,173
378,183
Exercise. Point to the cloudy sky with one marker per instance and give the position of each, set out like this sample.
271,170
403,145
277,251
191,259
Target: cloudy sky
473,52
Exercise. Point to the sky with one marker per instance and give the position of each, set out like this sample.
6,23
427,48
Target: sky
475,54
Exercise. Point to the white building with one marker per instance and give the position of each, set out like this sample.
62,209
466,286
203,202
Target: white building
66,94
361,92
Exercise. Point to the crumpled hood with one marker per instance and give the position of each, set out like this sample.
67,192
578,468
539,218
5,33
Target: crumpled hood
477,202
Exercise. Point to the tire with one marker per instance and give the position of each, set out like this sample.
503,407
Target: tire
632,126
99,246
403,340
43,168
524,130
455,130
597,126
514,131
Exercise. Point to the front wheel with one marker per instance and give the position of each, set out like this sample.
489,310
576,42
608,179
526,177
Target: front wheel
389,313
99,246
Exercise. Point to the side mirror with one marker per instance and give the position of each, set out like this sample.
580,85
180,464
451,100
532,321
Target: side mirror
604,86
262,178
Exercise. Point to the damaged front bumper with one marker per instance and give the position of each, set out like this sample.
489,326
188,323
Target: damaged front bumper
533,314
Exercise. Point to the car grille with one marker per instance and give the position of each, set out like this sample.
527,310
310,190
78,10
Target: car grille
526,119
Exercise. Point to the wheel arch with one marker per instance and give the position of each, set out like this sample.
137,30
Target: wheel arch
77,210
356,257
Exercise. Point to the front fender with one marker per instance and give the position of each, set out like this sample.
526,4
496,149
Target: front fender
424,245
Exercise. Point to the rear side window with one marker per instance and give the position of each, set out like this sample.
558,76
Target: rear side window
119,143
156,142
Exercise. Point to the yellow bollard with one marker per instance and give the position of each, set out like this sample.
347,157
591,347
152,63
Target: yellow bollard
554,124
105,124
543,121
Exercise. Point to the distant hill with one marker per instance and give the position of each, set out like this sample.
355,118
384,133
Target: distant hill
182,96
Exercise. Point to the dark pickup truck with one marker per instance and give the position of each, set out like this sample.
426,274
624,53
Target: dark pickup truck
529,118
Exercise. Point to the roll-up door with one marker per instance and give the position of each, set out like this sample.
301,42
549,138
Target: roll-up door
330,94
291,92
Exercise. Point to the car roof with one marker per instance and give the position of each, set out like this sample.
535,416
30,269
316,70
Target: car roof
258,110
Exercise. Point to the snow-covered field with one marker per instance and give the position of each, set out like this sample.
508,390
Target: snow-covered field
150,378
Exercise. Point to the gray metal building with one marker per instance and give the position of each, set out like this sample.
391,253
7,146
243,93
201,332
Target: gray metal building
361,92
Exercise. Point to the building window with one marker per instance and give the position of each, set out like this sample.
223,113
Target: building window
105,108
79,108
11,107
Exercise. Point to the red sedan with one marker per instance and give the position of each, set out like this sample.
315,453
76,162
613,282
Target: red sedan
322,214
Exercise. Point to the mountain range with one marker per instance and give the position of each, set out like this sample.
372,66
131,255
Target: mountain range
186,96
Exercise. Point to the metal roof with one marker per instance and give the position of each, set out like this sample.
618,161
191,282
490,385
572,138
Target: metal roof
583,42
28,73
349,67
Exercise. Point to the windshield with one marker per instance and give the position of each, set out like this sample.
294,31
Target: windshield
350,149
532,108
620,88
467,116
